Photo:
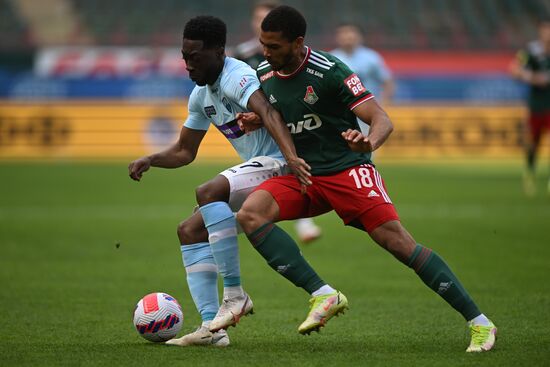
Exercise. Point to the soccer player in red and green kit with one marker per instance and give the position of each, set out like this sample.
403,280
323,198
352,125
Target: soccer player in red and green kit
532,67
320,99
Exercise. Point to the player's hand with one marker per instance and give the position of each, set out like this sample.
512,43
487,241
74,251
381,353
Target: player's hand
248,121
515,69
357,141
302,171
137,167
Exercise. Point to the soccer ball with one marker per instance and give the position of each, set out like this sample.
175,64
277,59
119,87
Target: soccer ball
158,317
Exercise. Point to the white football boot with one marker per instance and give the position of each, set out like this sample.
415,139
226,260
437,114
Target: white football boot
307,230
231,311
202,336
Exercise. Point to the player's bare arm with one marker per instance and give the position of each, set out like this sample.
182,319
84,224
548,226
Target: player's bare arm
530,77
180,154
248,121
273,122
380,128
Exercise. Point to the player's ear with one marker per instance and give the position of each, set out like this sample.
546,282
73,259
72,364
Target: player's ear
298,42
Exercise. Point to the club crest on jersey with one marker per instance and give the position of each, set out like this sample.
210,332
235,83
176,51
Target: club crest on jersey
227,104
310,96
209,111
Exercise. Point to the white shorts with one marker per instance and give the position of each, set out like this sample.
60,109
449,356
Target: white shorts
246,176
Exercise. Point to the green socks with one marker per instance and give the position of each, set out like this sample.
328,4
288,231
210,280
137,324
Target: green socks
284,256
437,275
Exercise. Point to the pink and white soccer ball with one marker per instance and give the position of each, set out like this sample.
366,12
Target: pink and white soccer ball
158,317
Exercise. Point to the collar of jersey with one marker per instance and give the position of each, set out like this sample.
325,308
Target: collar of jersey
302,65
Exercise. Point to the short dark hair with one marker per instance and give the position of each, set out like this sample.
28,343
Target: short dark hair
210,30
287,20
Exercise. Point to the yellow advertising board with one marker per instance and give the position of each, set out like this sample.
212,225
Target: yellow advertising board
104,130
96,130
456,131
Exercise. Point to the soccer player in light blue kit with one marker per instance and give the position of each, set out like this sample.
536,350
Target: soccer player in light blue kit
225,87
366,63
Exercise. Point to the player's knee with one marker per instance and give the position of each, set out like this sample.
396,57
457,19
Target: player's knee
248,218
184,233
210,192
188,233
204,194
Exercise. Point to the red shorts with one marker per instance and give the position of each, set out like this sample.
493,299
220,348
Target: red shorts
357,194
537,123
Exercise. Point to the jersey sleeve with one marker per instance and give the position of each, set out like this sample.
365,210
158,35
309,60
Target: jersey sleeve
349,88
240,84
196,118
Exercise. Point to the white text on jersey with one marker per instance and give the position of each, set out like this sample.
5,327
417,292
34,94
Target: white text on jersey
310,122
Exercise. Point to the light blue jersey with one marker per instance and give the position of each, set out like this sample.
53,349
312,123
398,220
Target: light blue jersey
219,103
368,65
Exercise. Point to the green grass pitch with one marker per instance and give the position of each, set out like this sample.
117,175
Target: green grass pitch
68,291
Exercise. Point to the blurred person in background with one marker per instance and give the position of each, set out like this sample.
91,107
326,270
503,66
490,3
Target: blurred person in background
366,63
532,66
251,52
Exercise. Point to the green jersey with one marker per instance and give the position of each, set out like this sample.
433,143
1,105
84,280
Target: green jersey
317,101
535,59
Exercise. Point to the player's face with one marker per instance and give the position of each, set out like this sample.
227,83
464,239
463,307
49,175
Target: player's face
201,63
348,37
279,51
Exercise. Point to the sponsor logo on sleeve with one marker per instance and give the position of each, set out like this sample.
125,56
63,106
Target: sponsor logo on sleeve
354,85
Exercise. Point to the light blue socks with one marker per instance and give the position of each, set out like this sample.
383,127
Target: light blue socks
222,235
202,278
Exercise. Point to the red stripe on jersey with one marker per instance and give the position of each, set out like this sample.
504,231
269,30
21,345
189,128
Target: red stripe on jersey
302,65
364,99
150,303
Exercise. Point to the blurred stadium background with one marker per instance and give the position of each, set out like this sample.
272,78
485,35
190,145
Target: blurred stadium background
104,79
87,85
